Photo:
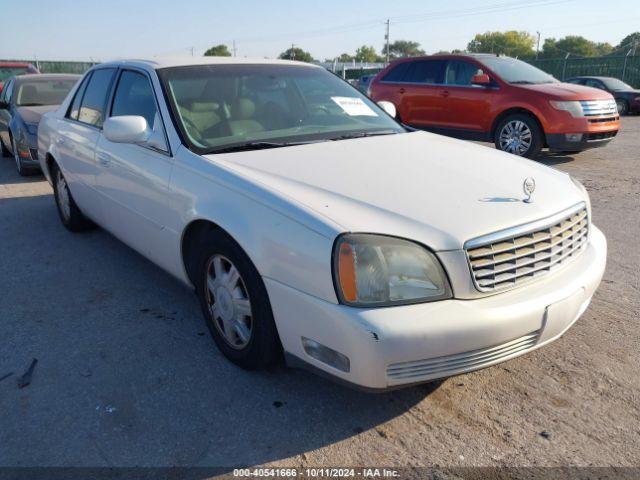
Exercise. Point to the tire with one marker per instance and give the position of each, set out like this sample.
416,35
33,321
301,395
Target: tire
623,106
519,134
234,306
4,150
70,215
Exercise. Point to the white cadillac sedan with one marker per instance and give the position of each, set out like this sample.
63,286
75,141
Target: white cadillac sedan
316,228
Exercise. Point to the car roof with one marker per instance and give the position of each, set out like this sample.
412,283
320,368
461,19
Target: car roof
15,64
158,63
46,76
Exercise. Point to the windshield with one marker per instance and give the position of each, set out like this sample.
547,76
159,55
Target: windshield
615,84
6,72
515,71
222,106
35,93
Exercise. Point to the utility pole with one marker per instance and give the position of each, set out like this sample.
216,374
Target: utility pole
293,52
386,37
234,48
192,48
538,46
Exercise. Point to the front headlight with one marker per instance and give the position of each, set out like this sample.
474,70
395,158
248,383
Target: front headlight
376,270
573,107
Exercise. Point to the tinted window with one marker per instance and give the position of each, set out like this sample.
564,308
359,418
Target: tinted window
577,81
94,101
397,73
590,82
460,73
134,96
75,105
426,71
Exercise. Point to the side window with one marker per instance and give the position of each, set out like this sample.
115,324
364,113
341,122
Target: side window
397,74
427,71
134,96
590,82
74,109
94,102
460,73
577,81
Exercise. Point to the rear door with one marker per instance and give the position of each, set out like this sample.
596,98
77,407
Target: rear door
133,179
78,136
468,106
421,93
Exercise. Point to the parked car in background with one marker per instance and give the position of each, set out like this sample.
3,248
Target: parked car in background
10,69
497,99
312,224
627,98
363,83
22,103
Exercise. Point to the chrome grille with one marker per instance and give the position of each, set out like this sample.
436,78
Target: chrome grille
451,364
506,259
599,107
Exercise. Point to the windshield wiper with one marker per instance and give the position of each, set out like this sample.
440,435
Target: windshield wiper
254,146
348,136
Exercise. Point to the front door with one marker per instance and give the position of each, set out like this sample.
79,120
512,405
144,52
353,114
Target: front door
422,97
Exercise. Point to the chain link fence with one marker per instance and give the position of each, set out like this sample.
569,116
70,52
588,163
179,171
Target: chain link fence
626,68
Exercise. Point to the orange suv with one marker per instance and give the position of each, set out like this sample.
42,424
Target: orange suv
497,99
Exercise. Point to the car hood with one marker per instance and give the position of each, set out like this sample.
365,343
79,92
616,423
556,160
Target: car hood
422,186
33,114
567,91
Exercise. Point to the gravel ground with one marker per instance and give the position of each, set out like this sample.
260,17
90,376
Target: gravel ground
127,376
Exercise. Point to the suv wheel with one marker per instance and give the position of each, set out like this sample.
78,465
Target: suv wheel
520,135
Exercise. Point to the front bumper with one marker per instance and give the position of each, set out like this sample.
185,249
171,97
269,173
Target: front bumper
397,346
559,141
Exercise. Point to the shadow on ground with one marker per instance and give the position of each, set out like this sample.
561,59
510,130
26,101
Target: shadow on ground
126,374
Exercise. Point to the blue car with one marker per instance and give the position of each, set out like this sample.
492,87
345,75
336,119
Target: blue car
24,99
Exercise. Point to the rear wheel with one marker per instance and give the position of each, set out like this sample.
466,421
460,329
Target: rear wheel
70,215
520,135
235,304
623,106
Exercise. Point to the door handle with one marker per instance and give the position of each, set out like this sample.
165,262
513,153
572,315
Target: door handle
104,159
445,93
401,90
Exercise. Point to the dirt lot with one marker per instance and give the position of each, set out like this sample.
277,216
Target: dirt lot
127,376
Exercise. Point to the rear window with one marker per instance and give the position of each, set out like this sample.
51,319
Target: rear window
38,92
7,72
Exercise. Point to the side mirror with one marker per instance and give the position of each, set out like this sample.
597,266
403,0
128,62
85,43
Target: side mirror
481,79
126,129
388,107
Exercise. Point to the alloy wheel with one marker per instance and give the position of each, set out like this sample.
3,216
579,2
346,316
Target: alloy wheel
515,137
228,301
621,106
62,195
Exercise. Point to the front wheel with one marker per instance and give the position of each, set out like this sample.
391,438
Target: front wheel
235,304
520,135
70,215
622,106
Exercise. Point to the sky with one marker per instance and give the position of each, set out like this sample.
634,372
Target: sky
111,29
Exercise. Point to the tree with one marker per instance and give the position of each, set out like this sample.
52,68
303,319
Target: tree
512,43
628,43
574,45
345,57
367,54
403,48
218,51
296,53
